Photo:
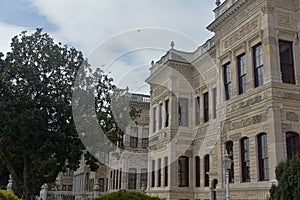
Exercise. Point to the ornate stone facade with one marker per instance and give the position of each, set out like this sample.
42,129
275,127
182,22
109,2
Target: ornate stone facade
205,112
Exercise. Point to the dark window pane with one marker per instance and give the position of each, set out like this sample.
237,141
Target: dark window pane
286,62
245,159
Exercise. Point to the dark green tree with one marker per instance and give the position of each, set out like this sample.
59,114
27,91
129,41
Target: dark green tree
37,134
125,195
288,177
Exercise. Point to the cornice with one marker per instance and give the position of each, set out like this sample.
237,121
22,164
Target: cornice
228,13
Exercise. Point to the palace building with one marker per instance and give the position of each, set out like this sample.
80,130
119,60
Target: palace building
238,93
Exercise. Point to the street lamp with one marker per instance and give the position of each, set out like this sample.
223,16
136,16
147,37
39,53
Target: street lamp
227,165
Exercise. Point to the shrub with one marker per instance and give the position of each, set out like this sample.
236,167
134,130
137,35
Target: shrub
126,195
5,195
288,176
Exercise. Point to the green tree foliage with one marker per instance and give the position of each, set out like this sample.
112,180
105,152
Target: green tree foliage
125,195
288,176
4,195
37,133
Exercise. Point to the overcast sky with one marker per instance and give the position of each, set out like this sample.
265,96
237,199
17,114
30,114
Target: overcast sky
124,35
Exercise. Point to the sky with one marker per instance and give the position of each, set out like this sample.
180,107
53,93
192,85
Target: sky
120,36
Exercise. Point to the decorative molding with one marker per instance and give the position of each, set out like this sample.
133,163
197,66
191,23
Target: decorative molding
229,126
238,35
291,116
267,9
285,19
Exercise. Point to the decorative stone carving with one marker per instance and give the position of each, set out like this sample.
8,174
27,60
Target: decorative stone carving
241,33
291,116
266,9
244,104
244,122
243,14
285,19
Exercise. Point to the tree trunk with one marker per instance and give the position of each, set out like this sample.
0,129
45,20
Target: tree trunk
27,193
16,179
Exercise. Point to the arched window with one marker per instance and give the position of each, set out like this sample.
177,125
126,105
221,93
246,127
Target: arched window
101,184
183,171
206,170
292,144
197,167
263,158
132,179
144,175
229,150
245,159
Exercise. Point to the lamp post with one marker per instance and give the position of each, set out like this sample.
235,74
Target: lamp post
227,165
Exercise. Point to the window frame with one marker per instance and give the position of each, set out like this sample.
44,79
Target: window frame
206,170
229,150
183,171
227,80
245,159
197,172
292,144
206,107
258,64
242,73
263,156
132,179
287,77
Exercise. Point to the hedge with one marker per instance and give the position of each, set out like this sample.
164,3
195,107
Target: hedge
5,195
126,195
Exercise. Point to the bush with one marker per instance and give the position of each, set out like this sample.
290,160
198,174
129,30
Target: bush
126,195
288,177
4,195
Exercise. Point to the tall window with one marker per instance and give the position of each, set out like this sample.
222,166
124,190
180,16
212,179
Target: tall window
160,116
101,184
227,80
154,119
245,158
117,179
206,170
197,167
120,178
183,112
166,172
242,73
132,179
229,150
214,101
183,171
292,144
159,173
145,139
133,137
206,107
153,174
258,65
167,113
197,110
263,160
144,176
286,62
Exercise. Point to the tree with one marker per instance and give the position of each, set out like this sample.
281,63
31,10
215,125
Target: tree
125,195
37,134
288,177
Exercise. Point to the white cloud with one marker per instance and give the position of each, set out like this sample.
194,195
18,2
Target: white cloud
7,33
93,23
88,23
